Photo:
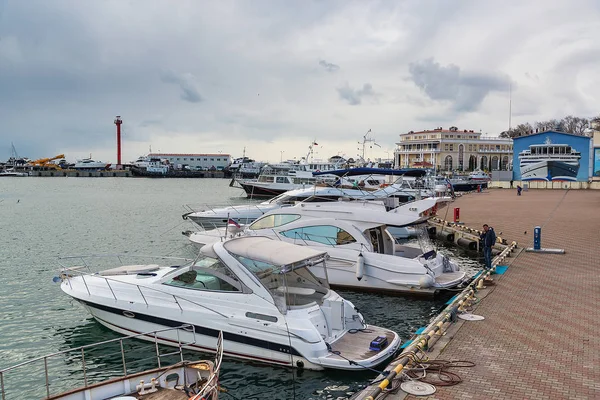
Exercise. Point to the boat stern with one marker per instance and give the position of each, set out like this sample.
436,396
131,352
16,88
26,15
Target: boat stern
361,349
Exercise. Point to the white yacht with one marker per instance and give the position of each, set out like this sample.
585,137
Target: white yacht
245,168
392,195
549,162
179,380
259,292
11,172
363,253
275,179
89,164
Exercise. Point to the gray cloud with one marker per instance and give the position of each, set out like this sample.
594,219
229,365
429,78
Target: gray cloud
64,76
464,90
330,67
186,83
354,96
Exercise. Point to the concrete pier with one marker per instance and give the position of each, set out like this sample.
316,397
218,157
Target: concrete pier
104,174
538,339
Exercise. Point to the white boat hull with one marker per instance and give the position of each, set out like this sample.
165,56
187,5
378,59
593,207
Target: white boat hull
285,341
549,170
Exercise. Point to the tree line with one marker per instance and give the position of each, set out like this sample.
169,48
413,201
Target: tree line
569,124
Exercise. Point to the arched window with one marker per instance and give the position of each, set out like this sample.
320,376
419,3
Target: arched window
505,163
461,151
448,163
495,162
472,163
484,163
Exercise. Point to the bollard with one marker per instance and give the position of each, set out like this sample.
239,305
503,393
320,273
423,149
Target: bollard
478,188
456,214
537,238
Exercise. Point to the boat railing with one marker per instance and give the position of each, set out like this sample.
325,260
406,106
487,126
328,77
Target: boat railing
90,369
66,275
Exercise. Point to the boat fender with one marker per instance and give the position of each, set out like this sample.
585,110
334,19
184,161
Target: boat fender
360,267
426,281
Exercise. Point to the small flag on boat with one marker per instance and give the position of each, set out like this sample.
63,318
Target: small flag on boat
315,144
232,222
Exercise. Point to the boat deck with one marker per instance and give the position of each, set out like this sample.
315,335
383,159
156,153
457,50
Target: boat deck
162,394
355,346
448,277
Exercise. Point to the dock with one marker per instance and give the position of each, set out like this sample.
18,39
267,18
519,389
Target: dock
538,339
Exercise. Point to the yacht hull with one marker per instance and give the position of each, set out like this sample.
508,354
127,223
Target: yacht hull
204,339
281,343
549,170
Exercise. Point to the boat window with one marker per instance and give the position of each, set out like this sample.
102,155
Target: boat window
325,234
206,274
288,286
272,221
282,179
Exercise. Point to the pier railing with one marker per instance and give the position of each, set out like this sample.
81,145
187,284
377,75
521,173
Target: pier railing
89,370
423,341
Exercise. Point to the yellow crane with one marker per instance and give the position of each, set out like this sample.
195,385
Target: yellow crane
47,162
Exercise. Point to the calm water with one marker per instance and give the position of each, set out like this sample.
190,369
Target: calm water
43,218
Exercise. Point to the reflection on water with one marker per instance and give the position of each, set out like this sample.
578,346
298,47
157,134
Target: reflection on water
57,217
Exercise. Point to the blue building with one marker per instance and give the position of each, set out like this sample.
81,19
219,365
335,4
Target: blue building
552,156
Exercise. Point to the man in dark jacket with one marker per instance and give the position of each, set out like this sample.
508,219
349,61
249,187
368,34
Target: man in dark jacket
488,239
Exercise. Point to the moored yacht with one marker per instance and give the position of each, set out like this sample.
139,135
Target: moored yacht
363,253
394,194
178,380
11,172
89,164
259,292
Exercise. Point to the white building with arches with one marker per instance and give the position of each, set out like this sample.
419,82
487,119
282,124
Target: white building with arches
453,150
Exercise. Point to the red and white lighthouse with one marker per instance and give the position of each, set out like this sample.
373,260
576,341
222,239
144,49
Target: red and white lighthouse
118,122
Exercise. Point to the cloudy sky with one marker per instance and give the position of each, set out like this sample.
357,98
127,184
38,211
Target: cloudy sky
272,76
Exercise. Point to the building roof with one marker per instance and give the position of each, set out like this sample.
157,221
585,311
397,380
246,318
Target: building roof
188,155
546,132
441,131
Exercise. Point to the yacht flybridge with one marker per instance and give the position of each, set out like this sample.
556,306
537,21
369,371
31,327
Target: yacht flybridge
363,253
259,292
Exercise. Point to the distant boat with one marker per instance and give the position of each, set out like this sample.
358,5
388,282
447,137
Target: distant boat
89,164
12,172
549,162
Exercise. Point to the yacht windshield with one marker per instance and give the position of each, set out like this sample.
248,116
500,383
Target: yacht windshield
206,273
290,285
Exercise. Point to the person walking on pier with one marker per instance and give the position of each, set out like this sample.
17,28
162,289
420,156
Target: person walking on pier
488,239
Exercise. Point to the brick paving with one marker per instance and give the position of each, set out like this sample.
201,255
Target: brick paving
541,335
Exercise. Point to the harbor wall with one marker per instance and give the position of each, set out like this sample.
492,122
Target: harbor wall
104,174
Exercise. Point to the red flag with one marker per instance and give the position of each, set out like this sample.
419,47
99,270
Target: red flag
232,222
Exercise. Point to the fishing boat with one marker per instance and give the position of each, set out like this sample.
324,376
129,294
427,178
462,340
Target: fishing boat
363,252
180,379
259,292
